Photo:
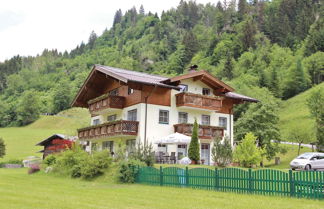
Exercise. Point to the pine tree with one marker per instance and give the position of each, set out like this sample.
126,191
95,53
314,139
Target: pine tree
191,45
193,152
274,83
242,9
92,39
141,10
118,17
228,67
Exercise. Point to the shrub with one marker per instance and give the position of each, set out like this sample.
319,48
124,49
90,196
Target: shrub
2,148
128,170
193,152
49,160
144,153
78,163
247,153
222,153
33,169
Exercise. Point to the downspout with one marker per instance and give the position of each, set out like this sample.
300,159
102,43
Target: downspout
230,125
145,123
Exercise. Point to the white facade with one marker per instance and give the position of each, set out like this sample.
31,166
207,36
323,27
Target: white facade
156,130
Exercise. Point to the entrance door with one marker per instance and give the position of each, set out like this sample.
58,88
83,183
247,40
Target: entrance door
205,153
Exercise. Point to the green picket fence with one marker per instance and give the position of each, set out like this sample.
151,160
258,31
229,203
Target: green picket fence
309,184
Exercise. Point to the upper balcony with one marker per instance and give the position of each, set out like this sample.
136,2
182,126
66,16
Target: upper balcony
116,128
106,101
204,132
191,100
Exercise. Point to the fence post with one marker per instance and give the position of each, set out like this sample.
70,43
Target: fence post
187,177
250,181
291,183
216,179
161,176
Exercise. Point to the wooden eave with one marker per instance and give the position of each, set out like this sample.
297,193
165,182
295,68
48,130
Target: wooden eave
205,77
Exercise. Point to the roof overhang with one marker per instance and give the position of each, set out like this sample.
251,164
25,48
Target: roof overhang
55,136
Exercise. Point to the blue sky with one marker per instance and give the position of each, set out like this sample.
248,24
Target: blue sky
28,27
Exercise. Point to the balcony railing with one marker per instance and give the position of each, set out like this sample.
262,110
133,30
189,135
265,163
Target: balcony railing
198,101
106,101
204,132
116,128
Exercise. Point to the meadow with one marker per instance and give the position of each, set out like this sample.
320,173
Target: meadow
18,190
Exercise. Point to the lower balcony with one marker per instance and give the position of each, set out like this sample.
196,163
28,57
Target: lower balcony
204,132
116,128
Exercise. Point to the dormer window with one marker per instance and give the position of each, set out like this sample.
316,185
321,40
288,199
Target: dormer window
113,92
206,91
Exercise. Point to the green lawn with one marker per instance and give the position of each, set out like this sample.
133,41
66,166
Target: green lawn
295,113
20,142
22,191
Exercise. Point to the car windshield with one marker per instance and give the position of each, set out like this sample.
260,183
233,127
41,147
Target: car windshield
305,156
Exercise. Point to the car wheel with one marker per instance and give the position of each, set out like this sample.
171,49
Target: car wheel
308,167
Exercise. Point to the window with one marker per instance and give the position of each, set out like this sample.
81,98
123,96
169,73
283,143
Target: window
108,145
93,146
130,145
205,119
111,118
130,91
96,122
164,117
223,122
183,88
162,148
205,91
132,115
183,117
114,92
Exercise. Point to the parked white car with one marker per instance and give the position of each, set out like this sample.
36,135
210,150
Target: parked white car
308,161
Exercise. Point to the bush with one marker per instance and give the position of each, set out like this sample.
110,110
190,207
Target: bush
2,148
49,160
222,153
11,161
128,170
143,153
247,153
33,169
78,163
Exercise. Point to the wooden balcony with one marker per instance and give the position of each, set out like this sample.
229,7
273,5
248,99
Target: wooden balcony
204,132
116,128
106,101
198,101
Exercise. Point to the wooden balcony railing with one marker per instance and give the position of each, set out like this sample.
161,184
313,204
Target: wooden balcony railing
198,101
121,127
204,132
106,101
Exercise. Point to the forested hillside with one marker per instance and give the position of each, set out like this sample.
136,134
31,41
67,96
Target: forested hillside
264,49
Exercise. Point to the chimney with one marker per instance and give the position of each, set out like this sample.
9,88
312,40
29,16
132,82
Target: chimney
193,68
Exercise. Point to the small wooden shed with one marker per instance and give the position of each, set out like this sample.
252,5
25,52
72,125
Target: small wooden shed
56,143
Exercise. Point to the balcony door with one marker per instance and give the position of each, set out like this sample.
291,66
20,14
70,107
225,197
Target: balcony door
132,115
205,153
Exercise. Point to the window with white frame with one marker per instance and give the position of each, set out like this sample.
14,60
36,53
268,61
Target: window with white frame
96,122
164,117
130,145
108,145
93,146
183,87
223,122
205,119
183,117
130,91
111,118
132,115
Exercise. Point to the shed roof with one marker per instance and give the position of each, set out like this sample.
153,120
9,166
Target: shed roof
234,95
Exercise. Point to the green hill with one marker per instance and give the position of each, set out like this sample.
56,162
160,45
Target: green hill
295,113
20,141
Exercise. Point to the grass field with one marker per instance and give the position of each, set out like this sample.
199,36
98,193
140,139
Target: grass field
20,141
21,191
295,113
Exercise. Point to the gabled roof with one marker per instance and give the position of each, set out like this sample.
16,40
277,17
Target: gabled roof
55,136
134,76
203,76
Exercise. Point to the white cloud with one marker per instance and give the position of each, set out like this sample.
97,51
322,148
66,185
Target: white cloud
30,26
